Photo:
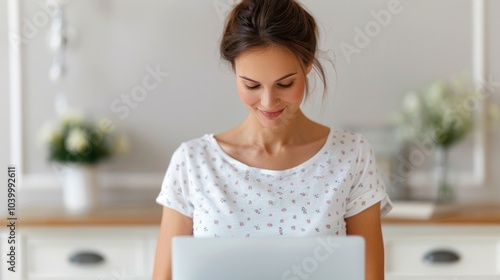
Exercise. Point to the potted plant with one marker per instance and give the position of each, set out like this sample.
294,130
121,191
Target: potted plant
444,113
75,146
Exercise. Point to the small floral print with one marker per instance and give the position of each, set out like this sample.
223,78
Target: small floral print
306,202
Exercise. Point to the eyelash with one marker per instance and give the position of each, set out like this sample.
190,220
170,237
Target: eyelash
280,85
252,88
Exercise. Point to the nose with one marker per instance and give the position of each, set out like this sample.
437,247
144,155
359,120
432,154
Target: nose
269,99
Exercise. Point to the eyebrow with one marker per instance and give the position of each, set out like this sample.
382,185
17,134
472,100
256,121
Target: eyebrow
282,78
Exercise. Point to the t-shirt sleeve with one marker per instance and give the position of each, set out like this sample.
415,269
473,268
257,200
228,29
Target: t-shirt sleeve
368,187
175,186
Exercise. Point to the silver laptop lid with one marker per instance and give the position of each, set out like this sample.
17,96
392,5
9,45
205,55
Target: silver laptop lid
268,258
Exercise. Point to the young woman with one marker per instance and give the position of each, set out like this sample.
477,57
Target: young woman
278,172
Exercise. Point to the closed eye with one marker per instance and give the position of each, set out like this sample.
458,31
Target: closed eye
285,86
252,87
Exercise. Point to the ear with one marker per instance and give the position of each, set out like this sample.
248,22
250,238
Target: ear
308,69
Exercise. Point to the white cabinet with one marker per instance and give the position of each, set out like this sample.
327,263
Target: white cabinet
442,252
127,252
84,253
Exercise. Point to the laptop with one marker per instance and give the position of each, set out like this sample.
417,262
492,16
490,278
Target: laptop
268,258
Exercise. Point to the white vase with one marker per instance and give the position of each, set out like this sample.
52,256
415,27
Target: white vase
445,192
80,188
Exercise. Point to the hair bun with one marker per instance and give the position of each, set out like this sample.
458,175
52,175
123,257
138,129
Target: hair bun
254,24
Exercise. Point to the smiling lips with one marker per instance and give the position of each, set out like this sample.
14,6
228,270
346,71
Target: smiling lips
271,115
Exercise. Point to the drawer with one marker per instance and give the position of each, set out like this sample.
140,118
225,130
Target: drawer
475,256
150,255
50,258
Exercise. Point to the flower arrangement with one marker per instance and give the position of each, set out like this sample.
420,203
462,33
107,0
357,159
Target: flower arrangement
74,140
441,111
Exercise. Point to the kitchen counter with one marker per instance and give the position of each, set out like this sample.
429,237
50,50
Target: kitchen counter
151,215
101,216
127,236
453,213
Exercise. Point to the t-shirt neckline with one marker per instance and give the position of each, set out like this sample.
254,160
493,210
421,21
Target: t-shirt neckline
294,169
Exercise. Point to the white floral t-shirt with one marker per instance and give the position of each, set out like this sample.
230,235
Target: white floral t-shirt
226,197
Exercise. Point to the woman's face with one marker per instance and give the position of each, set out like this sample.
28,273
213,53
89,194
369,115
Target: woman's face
271,84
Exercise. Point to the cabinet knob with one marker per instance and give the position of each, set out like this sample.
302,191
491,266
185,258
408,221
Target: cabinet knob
441,257
84,258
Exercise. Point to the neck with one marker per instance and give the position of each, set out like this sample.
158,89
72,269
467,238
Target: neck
294,131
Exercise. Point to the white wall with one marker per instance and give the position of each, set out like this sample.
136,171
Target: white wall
493,48
118,40
4,103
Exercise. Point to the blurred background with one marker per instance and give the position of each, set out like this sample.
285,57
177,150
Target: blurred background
113,50
149,72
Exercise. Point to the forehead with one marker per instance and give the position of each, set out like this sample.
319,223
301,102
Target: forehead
267,62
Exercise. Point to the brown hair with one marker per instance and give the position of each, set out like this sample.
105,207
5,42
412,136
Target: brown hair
255,24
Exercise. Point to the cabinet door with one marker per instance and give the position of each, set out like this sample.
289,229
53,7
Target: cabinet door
442,252
150,254
89,256
442,257
89,253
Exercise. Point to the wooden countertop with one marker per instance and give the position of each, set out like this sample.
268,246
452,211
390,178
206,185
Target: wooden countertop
456,213
103,216
151,215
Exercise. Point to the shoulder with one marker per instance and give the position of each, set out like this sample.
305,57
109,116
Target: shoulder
348,141
348,148
194,146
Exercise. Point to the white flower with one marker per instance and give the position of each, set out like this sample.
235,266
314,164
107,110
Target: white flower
122,144
49,134
440,107
76,141
436,98
411,103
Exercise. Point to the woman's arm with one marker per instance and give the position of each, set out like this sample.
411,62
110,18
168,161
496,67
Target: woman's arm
172,223
367,224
